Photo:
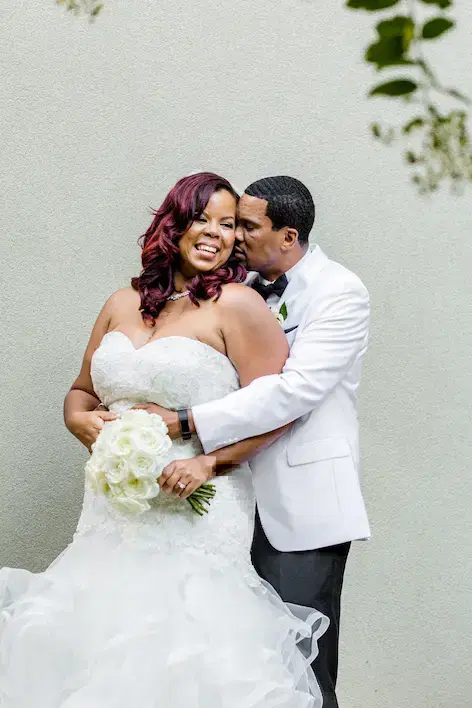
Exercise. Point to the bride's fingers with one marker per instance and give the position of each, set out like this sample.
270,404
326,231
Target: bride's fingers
165,474
189,489
169,478
107,416
184,487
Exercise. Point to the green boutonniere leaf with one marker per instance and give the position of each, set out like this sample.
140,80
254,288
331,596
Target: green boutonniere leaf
283,311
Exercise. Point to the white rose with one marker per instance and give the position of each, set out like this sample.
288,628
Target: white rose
118,470
129,505
132,496
132,419
143,465
152,441
96,479
110,430
142,488
122,444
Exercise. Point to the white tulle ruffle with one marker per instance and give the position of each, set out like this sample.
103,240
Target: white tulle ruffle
109,627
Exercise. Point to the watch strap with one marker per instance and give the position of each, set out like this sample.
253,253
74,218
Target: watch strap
184,424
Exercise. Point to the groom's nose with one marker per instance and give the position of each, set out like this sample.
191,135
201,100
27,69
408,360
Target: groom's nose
239,233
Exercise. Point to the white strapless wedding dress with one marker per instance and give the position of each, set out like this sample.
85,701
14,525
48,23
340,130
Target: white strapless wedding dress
163,610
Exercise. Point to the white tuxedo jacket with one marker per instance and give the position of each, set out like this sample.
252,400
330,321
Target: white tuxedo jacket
307,483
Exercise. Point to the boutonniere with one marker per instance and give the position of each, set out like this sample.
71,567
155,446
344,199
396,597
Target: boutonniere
281,314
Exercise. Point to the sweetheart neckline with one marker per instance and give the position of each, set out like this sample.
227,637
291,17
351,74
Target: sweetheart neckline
159,339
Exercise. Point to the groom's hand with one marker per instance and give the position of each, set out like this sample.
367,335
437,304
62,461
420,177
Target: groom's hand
170,418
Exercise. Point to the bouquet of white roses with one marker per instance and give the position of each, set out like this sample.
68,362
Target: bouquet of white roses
127,459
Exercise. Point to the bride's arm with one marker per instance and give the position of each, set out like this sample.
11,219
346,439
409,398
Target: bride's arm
80,414
256,345
255,341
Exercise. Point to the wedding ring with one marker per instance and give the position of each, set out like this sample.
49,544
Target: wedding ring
181,485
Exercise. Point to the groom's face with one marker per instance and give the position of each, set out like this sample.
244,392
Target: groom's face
259,246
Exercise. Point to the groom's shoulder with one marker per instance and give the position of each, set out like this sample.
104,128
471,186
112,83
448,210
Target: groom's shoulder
336,277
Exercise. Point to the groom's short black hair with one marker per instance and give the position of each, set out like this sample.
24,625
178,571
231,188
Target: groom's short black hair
289,203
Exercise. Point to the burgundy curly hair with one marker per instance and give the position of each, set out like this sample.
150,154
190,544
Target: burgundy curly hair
160,246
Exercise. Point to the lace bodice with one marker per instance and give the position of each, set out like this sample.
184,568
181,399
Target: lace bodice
175,372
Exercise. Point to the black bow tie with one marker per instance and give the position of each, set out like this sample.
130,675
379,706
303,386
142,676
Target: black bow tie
275,288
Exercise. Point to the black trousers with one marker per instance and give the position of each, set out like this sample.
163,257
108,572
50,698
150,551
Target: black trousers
314,579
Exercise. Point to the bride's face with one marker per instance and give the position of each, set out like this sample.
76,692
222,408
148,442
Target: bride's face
208,242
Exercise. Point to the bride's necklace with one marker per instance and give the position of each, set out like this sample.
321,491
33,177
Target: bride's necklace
177,296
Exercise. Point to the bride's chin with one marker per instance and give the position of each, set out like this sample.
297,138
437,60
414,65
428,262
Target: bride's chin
190,269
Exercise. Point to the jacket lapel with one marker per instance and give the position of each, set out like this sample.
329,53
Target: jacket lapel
297,291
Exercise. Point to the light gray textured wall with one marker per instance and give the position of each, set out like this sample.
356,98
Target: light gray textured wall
96,123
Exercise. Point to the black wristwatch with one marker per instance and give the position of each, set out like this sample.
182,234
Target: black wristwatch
184,424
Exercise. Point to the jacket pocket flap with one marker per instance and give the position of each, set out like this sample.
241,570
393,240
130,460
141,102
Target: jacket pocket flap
317,450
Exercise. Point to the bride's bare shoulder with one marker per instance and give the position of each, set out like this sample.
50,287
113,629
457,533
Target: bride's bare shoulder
122,298
238,295
236,298
119,304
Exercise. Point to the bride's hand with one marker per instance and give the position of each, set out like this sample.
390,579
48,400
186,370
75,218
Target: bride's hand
183,477
86,425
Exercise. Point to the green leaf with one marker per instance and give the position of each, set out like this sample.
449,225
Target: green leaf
398,87
411,158
387,52
371,5
436,27
376,130
283,311
443,4
415,123
395,37
396,27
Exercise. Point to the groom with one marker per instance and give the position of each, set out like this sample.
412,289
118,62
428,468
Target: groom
309,500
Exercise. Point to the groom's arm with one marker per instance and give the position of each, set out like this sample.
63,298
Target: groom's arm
320,357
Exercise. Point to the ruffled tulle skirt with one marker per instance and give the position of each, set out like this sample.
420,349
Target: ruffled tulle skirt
112,626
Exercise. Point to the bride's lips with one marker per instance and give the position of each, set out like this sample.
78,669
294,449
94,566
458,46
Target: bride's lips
206,255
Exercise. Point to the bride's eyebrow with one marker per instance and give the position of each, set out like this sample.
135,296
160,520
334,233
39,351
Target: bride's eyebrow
205,213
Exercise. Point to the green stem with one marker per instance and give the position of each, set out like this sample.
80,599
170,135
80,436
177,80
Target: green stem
208,495
195,507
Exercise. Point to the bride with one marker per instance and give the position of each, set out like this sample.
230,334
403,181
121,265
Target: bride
165,610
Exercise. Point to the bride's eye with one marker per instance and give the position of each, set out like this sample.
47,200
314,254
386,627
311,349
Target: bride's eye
201,219
229,225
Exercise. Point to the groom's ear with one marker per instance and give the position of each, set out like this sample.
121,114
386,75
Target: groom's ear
290,238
